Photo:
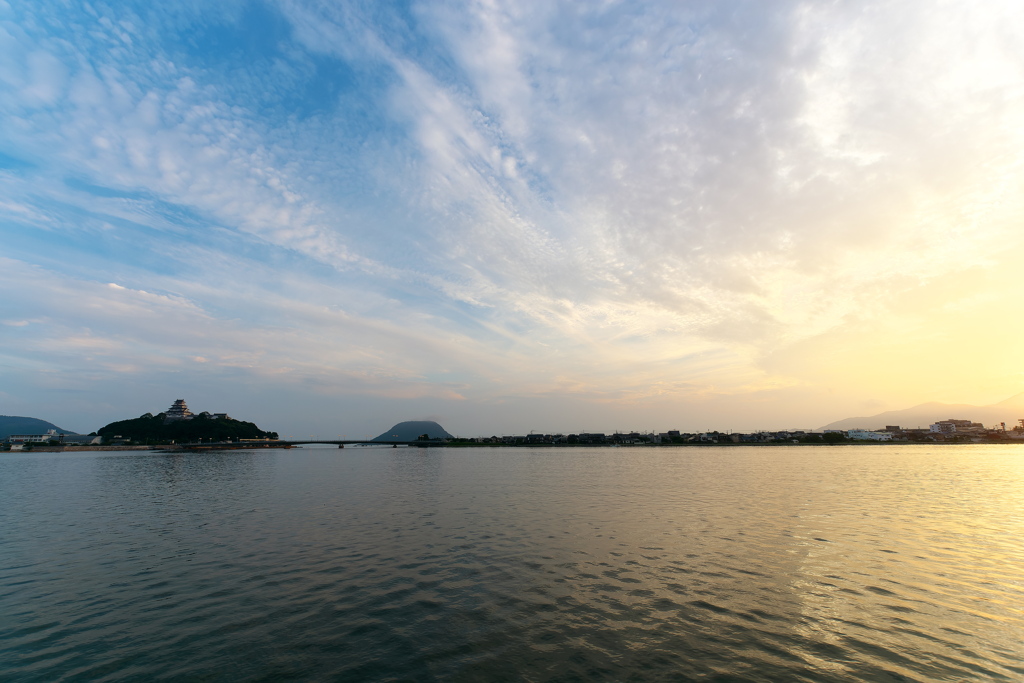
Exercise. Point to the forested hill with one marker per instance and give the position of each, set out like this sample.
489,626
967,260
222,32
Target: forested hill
410,431
12,424
151,428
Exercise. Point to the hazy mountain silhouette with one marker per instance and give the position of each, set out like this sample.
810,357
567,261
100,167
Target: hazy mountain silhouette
1008,411
410,431
12,424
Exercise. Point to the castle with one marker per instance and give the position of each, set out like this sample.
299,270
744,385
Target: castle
179,411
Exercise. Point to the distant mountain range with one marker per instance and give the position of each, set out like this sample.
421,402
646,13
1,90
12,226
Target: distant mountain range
1008,411
12,424
410,431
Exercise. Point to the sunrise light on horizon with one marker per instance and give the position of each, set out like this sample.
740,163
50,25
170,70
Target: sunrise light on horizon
510,216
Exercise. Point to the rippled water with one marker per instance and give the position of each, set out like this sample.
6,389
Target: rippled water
788,563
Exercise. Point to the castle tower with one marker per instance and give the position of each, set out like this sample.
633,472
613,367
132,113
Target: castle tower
178,411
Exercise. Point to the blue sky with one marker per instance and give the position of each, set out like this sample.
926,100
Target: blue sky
329,217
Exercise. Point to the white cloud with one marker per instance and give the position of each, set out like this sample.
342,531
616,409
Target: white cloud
709,178
617,201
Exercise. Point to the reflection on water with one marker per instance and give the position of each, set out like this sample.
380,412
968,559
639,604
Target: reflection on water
880,563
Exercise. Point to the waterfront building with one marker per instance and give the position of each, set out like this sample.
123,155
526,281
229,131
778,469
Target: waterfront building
50,435
865,435
952,426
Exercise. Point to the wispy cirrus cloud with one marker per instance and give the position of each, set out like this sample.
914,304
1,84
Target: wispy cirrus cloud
615,203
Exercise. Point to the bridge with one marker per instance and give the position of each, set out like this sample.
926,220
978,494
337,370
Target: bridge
283,443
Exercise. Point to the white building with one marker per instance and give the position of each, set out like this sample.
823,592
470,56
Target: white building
34,438
952,426
865,435
54,435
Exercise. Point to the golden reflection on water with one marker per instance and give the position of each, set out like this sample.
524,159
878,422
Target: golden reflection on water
937,557
779,563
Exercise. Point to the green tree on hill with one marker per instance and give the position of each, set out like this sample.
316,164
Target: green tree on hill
152,429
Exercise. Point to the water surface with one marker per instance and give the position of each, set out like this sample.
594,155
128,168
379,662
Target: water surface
888,563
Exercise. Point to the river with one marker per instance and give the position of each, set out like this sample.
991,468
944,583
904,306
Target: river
883,563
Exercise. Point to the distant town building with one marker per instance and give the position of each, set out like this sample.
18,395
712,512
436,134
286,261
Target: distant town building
952,426
865,435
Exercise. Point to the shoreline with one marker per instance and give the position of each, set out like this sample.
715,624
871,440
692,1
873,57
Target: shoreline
177,448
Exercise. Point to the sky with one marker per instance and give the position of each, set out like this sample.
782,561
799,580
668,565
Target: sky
328,217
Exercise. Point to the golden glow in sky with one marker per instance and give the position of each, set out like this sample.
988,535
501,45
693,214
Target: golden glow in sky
512,216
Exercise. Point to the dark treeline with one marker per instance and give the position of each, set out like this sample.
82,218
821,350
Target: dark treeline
152,429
